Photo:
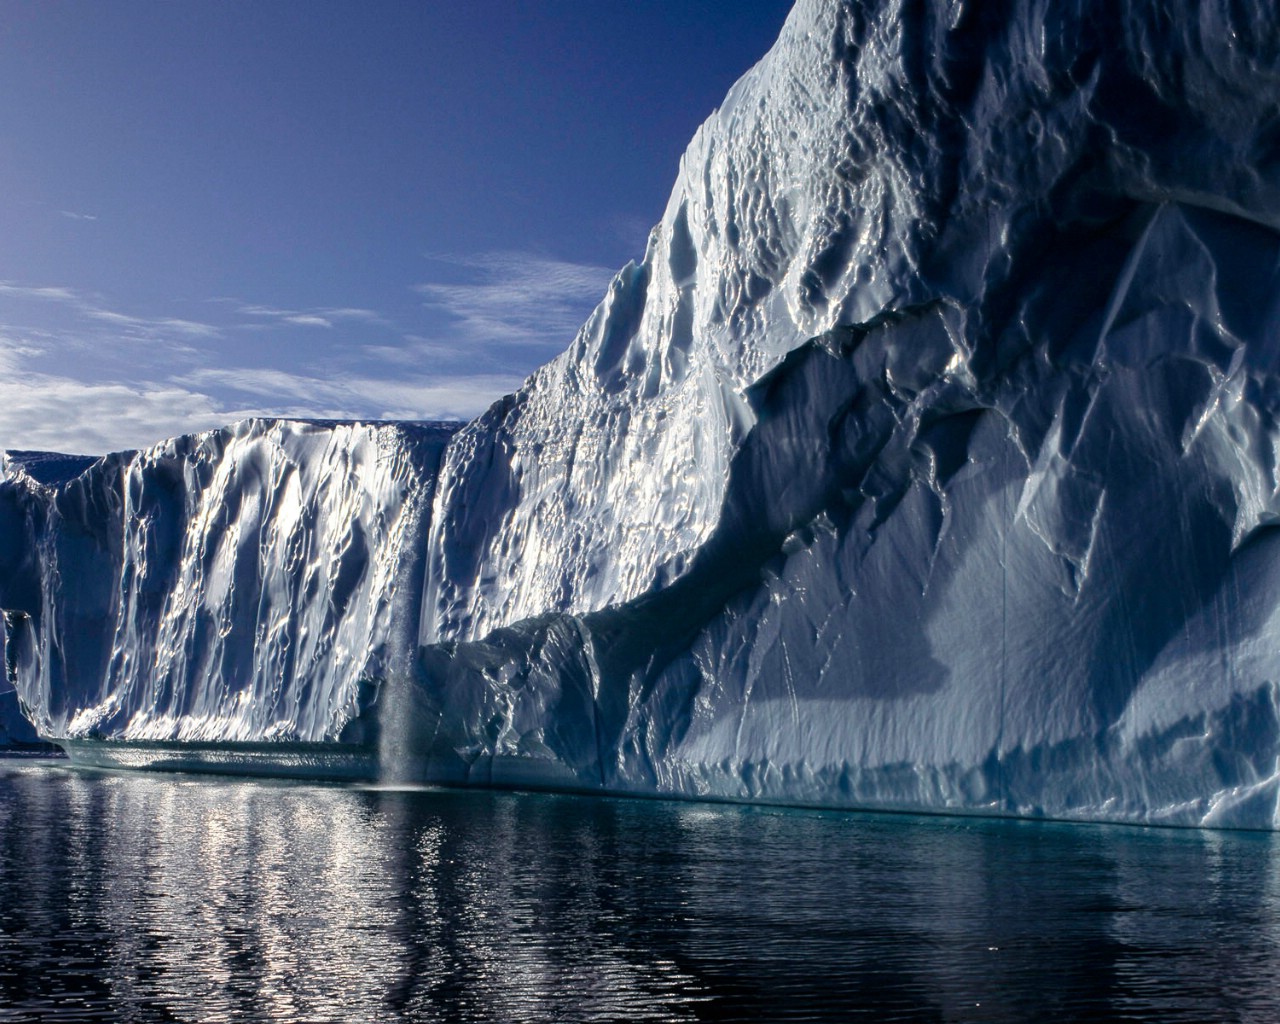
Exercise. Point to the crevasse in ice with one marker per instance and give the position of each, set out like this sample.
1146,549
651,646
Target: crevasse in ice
927,460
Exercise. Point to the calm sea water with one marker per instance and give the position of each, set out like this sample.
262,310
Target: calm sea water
167,898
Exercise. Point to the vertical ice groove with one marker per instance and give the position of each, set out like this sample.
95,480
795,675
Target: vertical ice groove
246,577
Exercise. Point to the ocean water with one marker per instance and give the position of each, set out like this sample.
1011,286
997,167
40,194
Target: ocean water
139,897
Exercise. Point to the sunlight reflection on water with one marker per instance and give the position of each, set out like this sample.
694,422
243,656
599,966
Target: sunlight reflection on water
141,897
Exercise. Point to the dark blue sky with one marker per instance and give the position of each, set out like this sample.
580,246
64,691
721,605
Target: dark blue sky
383,209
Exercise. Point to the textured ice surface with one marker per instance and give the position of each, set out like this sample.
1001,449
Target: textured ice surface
1000,537
927,460
233,585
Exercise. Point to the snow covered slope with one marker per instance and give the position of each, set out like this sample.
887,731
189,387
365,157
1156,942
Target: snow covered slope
929,459
233,585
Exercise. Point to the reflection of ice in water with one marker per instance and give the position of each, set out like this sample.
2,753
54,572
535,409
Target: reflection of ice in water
227,899
160,897
230,901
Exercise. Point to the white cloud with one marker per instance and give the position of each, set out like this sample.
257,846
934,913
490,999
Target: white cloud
15,341
356,397
321,317
149,326
519,298
46,294
48,413
45,412
72,215
418,352
280,388
353,313
74,378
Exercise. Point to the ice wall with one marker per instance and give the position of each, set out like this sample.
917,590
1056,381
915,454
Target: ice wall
232,585
999,539
883,155
598,478
22,524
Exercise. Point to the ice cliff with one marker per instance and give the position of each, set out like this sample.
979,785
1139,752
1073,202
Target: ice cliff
927,460
242,584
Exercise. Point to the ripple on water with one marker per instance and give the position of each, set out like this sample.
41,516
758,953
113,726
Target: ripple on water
152,898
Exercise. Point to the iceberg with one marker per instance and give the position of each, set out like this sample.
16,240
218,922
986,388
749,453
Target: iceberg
244,584
926,461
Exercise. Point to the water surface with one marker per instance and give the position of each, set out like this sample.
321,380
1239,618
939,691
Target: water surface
136,897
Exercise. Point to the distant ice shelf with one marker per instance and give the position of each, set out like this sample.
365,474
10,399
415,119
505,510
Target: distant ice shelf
929,459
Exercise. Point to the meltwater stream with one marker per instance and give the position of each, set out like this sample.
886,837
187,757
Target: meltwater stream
130,897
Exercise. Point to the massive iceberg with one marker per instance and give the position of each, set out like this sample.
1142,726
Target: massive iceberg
928,460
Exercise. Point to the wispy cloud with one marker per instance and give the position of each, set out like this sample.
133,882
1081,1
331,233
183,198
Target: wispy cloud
91,310
72,215
416,351
73,376
632,231
147,325
45,294
279,387
415,397
44,411
516,297
51,413
352,313
324,316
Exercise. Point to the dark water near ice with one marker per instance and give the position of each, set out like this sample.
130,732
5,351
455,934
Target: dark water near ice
158,898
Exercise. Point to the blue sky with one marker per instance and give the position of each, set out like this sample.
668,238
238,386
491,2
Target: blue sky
216,209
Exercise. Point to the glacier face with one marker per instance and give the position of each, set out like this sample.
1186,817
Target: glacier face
927,460
929,457
233,585
881,156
